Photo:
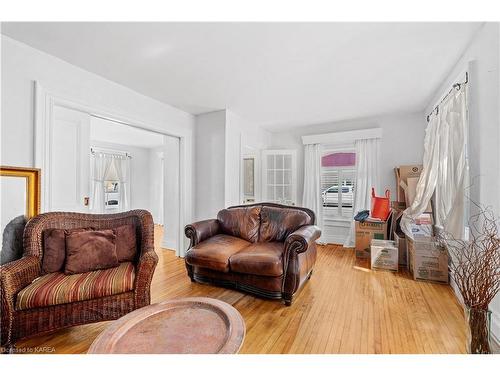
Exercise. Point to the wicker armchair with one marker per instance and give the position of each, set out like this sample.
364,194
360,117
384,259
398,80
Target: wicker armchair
16,275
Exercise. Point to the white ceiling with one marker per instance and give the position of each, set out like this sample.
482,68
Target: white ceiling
113,132
277,74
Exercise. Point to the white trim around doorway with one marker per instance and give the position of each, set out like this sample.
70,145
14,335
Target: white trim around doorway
44,102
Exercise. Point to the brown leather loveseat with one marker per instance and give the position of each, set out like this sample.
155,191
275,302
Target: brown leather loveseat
266,249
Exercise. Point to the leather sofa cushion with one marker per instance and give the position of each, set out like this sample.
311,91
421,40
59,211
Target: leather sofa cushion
214,253
242,222
57,288
90,250
277,223
261,258
126,242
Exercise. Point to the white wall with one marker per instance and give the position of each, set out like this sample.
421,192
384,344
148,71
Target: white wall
481,58
242,137
172,239
156,183
22,65
209,164
402,143
484,127
140,173
222,137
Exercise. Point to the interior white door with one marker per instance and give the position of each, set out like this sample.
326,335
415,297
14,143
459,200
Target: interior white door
279,176
69,160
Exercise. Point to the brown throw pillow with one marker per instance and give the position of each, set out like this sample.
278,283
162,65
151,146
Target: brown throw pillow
126,243
54,250
90,250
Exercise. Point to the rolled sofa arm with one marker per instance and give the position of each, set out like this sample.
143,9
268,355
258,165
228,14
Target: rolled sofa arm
148,259
201,230
302,238
18,274
299,258
14,276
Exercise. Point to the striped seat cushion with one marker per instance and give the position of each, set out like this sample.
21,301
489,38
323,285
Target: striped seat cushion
57,288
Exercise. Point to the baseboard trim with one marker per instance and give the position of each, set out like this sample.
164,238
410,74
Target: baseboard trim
329,239
166,244
495,328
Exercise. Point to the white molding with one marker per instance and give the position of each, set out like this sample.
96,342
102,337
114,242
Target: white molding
332,239
341,137
495,327
257,175
343,222
168,244
44,102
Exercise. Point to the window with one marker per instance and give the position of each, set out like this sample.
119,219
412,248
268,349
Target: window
338,183
279,176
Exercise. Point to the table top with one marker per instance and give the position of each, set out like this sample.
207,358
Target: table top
180,326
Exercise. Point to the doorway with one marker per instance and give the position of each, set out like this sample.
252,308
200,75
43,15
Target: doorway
101,165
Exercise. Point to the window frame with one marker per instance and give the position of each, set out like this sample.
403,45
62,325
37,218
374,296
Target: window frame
340,170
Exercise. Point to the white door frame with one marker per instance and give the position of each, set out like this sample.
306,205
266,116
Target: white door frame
44,102
253,153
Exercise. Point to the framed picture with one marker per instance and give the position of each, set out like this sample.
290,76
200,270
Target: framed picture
20,193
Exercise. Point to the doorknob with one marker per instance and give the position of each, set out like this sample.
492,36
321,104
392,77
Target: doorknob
86,201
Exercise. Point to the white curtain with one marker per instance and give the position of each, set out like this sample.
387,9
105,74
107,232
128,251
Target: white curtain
312,181
445,168
122,167
367,176
102,163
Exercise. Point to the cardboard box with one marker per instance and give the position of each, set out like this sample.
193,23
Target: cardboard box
422,230
384,255
398,206
427,260
424,219
397,213
410,189
400,240
366,231
404,172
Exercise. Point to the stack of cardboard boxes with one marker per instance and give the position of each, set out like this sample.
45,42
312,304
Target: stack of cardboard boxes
385,244
423,256
369,230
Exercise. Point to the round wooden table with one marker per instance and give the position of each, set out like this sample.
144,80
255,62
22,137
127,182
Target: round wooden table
188,325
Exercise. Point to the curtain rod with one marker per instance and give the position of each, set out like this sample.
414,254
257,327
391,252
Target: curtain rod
456,86
110,152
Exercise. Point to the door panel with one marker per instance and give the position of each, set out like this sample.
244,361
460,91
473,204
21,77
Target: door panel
279,176
69,160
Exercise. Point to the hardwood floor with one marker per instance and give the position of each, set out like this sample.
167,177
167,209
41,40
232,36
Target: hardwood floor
344,308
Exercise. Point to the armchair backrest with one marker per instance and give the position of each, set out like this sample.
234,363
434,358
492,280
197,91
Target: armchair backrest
33,233
264,222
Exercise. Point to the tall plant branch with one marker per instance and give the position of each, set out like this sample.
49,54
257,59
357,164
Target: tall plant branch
475,268
475,263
